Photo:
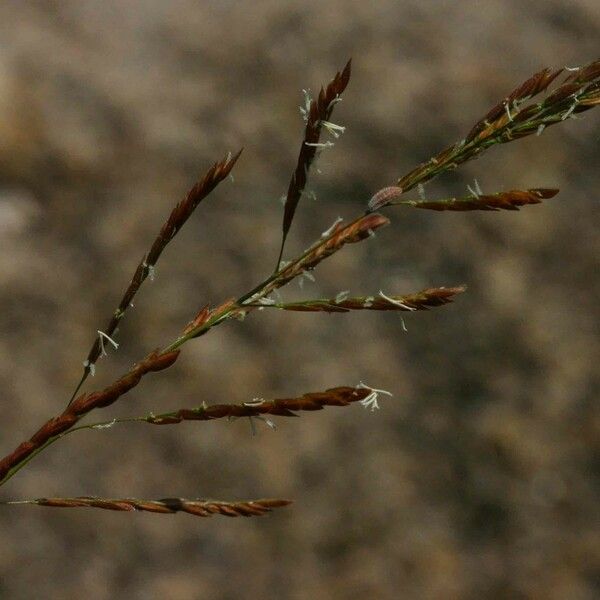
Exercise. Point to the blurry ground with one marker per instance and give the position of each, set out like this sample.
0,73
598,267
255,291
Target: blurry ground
477,479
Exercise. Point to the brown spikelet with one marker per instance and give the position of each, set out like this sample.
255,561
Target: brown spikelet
199,508
198,321
511,200
533,86
207,317
183,211
320,110
423,300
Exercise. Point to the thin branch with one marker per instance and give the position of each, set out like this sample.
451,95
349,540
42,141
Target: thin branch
423,300
198,508
511,200
281,407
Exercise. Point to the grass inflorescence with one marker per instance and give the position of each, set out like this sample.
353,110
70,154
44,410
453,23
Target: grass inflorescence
515,117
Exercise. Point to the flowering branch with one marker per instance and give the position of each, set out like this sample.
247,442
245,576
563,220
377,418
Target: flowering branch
343,303
512,119
316,114
501,201
198,508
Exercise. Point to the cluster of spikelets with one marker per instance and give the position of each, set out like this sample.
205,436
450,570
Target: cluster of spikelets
517,116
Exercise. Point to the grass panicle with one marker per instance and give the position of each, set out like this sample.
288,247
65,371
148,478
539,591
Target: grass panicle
516,116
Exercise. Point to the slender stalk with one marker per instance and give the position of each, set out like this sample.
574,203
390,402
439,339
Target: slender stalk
196,507
423,300
489,202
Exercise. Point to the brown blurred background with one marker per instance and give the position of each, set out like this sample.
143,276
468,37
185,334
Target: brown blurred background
478,479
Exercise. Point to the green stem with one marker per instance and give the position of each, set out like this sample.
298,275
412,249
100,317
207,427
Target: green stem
51,441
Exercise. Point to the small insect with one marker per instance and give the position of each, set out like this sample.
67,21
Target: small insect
384,196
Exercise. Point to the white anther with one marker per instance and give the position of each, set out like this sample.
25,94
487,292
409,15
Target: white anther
371,400
254,402
266,301
333,129
331,229
305,275
266,421
104,425
151,270
396,302
337,99
571,109
305,110
472,191
320,144
91,367
103,336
